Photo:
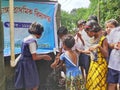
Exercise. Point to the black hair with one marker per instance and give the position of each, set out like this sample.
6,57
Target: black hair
113,21
93,17
62,30
81,22
36,28
92,26
69,41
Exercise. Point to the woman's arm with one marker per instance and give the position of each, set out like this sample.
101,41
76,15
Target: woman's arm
83,51
104,48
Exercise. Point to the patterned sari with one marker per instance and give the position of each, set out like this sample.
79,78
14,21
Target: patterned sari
96,79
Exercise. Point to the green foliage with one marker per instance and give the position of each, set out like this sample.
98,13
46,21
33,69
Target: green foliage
109,9
67,20
104,9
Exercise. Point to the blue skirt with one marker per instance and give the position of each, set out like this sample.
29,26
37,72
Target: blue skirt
26,74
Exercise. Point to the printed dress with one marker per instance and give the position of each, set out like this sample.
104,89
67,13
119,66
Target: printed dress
26,74
74,80
96,79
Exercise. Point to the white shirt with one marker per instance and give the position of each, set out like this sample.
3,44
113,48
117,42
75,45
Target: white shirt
87,40
32,46
78,43
114,61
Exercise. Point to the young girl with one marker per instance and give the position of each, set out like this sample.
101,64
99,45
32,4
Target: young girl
62,32
96,79
74,80
109,26
114,61
79,43
26,74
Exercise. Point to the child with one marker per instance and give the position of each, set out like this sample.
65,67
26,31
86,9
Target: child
74,80
84,58
114,60
78,36
96,79
26,74
62,32
110,25
79,43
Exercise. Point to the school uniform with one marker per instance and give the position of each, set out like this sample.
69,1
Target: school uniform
26,74
114,60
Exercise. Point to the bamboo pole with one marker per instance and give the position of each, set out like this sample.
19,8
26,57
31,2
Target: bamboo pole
11,14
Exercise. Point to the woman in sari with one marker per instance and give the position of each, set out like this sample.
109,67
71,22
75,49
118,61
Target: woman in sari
97,74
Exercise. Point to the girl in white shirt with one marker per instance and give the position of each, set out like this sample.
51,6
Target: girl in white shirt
26,74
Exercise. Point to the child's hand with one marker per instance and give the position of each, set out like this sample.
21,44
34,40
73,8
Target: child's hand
78,51
117,46
94,47
79,35
55,63
47,57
